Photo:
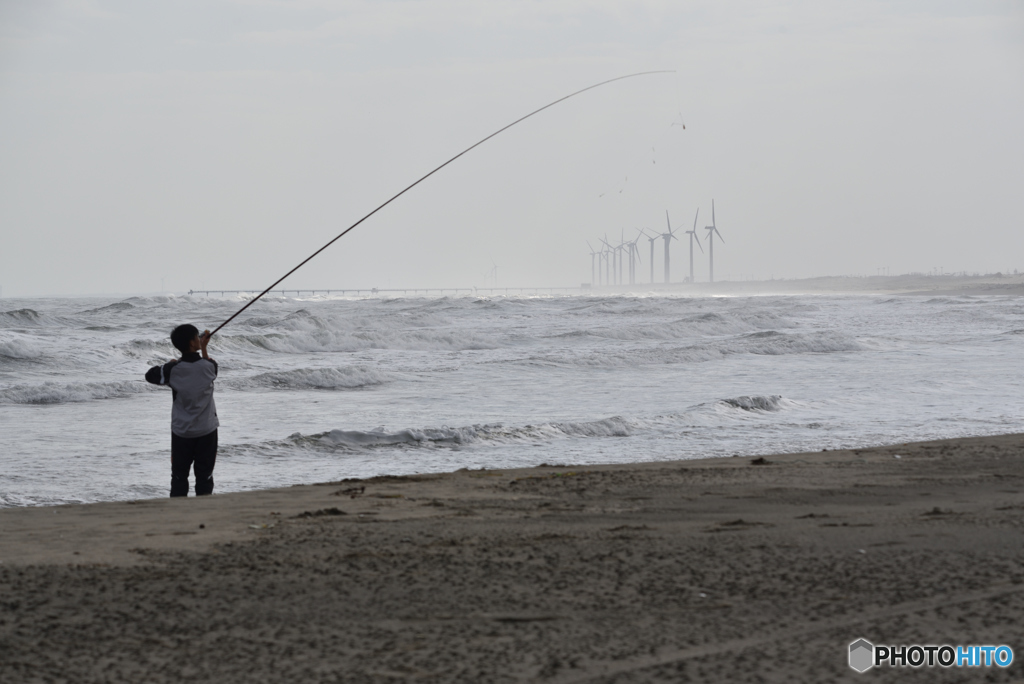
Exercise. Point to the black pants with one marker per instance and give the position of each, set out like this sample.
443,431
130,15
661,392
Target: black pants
186,451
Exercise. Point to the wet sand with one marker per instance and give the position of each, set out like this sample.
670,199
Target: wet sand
721,570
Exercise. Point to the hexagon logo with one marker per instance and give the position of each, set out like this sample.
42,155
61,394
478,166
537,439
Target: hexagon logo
862,655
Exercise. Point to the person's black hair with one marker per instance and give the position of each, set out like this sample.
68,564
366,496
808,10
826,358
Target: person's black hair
182,336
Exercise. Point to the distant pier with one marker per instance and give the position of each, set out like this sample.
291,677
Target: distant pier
402,290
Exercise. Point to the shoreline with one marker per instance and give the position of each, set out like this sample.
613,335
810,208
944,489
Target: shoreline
702,570
28,531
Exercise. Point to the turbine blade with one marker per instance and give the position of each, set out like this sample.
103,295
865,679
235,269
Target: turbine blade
699,245
695,218
713,212
667,222
720,235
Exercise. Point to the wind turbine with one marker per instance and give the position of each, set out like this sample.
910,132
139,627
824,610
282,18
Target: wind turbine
693,234
593,254
622,258
610,263
669,236
634,252
651,240
618,260
606,255
712,229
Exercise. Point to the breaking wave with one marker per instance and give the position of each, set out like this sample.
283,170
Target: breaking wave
709,323
66,392
495,433
773,402
111,308
334,341
20,317
768,342
18,349
350,377
775,343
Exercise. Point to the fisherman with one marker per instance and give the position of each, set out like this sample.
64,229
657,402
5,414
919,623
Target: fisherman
193,415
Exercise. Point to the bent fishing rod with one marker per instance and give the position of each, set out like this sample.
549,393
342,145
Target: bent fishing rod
413,185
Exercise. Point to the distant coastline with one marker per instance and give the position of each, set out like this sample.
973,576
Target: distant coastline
910,284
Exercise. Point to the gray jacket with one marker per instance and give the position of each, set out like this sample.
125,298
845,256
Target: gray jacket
193,413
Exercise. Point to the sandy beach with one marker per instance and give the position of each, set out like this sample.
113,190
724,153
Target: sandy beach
718,570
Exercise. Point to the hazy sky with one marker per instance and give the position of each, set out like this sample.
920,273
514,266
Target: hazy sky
216,143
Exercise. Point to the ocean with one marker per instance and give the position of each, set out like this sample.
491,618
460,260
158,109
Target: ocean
323,388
